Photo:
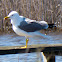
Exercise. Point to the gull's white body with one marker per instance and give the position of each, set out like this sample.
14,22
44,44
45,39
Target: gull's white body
16,20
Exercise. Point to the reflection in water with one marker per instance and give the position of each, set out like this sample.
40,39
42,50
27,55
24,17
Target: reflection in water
27,57
58,58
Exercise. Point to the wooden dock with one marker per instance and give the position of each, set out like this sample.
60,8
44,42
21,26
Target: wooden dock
31,48
47,49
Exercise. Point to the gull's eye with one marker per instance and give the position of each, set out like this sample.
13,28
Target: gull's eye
12,15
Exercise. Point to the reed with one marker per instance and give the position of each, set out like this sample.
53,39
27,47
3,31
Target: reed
48,10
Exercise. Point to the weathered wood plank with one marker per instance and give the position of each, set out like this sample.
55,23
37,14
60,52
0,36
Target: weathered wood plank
31,48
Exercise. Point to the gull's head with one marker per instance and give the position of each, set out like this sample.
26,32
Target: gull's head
12,15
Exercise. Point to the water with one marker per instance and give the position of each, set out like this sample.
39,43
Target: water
28,57
14,40
58,58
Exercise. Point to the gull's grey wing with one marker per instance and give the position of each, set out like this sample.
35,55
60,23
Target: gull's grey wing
31,26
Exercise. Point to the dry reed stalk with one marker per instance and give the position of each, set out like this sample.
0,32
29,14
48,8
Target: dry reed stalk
48,10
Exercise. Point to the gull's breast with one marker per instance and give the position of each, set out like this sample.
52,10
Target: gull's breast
20,32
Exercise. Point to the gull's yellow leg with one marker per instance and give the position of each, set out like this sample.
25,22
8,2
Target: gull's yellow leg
26,43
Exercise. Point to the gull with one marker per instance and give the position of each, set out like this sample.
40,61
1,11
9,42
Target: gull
26,27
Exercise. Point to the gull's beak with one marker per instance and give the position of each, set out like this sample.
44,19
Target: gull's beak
6,17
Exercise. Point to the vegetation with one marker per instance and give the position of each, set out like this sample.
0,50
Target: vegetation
48,10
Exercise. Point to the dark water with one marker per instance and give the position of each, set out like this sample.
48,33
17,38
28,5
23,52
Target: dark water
14,40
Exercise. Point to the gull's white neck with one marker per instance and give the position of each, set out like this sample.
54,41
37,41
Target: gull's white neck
16,21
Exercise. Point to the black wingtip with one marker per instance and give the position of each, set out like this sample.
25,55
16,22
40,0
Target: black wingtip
51,25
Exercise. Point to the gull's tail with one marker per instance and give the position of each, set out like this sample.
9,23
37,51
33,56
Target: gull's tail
44,24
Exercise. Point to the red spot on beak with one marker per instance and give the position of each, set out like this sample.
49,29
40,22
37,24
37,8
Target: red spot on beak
6,17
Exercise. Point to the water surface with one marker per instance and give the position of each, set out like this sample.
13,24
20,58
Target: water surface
14,40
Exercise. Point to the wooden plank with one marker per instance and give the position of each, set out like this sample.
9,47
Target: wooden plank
31,48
